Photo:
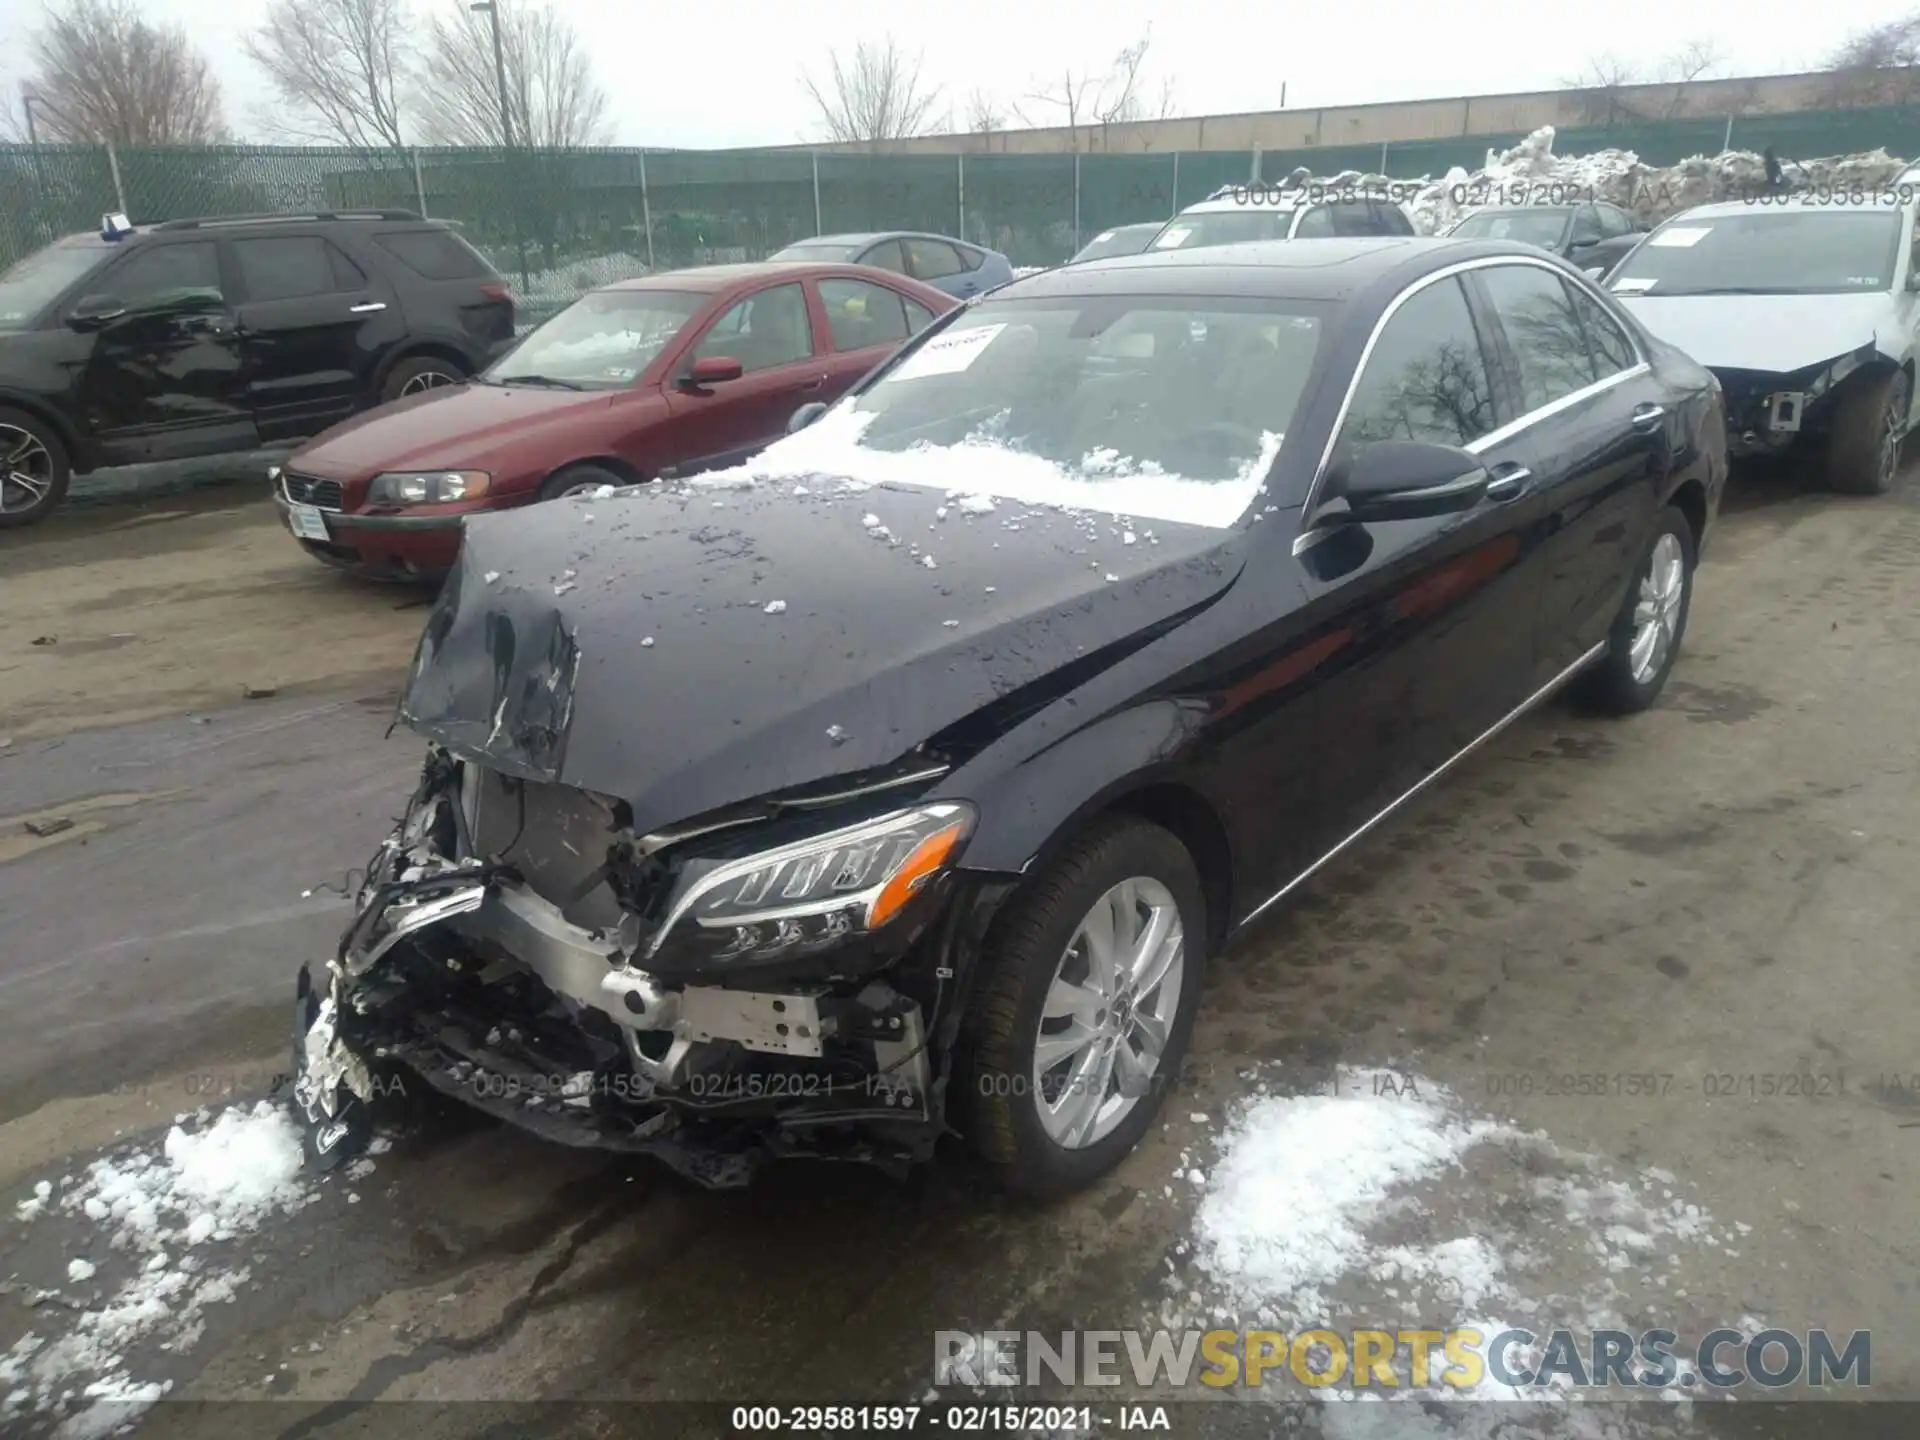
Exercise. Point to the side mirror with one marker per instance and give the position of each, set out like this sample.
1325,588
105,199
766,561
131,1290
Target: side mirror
805,415
90,312
714,370
1408,480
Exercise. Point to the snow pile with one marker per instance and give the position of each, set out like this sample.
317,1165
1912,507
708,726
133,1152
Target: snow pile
1374,1198
158,1212
981,470
1531,172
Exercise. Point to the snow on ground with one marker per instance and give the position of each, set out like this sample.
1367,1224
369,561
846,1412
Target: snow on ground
1385,1195
162,1222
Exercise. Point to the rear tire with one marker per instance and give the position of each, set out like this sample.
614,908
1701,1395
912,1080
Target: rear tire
1039,968
419,374
580,479
1646,635
1863,454
34,469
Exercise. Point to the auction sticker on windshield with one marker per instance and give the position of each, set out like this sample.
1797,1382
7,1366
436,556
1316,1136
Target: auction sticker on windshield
1173,237
947,354
1685,236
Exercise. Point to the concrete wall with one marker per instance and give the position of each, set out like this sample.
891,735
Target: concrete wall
1395,120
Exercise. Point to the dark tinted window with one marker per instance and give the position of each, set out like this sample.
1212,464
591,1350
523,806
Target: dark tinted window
285,267
860,313
435,254
346,274
918,316
1390,219
970,258
1427,377
166,275
1315,224
1353,218
1586,226
1611,349
1614,222
1543,330
886,255
932,260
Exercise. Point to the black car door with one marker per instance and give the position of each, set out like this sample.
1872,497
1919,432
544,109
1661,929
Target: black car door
1593,429
315,325
1433,616
163,378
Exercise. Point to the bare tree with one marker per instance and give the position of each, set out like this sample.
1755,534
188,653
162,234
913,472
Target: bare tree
984,114
1121,92
336,67
108,74
553,101
1614,90
1876,66
874,97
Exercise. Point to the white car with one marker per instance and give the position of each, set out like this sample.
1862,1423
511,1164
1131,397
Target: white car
1806,309
1237,213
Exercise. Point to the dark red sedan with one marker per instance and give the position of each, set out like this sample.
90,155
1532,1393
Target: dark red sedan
647,379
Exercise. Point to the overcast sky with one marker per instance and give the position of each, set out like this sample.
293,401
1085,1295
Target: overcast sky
728,73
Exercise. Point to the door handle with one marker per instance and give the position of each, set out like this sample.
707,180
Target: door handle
1645,417
368,308
1509,484
815,383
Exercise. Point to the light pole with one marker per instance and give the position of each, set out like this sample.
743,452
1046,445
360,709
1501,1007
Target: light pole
492,9
499,67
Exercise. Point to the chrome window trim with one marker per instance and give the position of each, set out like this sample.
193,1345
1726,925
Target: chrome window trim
1505,432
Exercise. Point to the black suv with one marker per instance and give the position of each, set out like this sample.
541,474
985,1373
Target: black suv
194,337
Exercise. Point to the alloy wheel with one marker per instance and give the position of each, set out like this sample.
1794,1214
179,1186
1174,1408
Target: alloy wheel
1109,1012
1893,428
26,470
427,380
1656,614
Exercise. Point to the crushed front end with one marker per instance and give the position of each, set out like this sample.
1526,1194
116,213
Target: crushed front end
1769,413
783,980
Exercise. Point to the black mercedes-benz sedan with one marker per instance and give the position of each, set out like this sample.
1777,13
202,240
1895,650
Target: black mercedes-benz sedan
902,781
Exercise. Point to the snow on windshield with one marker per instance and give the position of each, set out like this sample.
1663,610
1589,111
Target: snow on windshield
1136,406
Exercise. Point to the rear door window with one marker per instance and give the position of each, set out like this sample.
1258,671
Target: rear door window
861,314
932,259
1543,331
887,256
1316,224
1354,218
286,267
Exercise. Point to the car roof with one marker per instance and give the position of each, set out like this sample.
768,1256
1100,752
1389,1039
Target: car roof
1522,210
710,279
1281,269
1821,203
1257,197
868,237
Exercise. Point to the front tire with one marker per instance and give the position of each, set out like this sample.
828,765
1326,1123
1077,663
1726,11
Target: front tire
1646,634
34,469
1863,455
1088,987
580,480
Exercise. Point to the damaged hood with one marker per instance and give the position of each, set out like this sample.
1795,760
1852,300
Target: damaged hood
1778,334
689,649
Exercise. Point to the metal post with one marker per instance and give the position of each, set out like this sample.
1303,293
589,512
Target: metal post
1176,184
1253,175
1383,157
33,140
646,208
818,227
961,167
492,10
419,185
1727,144
1076,202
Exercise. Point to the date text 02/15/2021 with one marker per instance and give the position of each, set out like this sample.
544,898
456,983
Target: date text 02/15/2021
948,1419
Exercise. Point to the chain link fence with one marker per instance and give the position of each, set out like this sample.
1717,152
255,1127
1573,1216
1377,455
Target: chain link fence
559,222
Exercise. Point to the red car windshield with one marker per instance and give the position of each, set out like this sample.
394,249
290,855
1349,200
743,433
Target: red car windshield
603,341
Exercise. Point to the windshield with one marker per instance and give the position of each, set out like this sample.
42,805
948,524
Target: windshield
602,341
1765,253
1223,227
37,281
823,253
1148,407
1129,241
1530,227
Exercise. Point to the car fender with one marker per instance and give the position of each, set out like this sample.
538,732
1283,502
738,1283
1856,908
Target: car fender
81,452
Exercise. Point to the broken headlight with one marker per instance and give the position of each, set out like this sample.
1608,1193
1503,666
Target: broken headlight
819,890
